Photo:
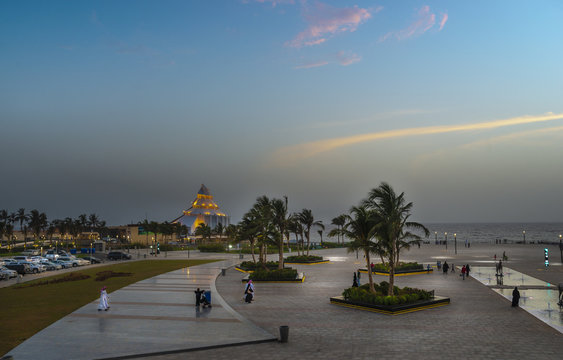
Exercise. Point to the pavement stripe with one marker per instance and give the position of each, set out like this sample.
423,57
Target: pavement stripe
105,315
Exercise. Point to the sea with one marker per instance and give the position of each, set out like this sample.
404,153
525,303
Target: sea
510,233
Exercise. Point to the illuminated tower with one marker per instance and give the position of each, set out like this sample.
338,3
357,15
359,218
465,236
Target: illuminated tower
203,210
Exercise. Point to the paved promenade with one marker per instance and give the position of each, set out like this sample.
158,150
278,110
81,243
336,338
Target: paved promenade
157,316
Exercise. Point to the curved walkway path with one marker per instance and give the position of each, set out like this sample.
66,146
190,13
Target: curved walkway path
153,316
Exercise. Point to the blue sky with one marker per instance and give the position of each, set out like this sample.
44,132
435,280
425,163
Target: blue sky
124,108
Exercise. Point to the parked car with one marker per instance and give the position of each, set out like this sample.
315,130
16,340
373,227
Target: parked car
52,255
30,252
83,261
93,259
51,265
34,268
63,264
19,268
9,273
21,258
118,255
71,260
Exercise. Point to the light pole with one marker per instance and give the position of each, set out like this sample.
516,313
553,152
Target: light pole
524,235
446,236
436,236
455,243
561,248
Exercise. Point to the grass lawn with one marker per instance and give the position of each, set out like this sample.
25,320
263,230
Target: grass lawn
25,309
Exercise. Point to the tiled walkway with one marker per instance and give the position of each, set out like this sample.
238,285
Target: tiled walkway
152,316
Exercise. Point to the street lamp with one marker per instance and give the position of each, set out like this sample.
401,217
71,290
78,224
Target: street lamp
455,243
524,235
446,235
436,236
561,248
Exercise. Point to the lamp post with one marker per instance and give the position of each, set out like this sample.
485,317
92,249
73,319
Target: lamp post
446,236
436,236
561,248
524,235
455,243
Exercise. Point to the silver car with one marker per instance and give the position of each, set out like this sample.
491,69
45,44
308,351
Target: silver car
7,273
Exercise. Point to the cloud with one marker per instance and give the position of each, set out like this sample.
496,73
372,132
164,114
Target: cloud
347,58
443,21
325,21
424,21
312,65
294,153
273,2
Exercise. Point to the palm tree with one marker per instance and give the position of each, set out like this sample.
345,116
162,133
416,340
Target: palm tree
232,231
308,221
22,217
145,225
2,231
3,220
219,230
9,231
249,231
204,231
393,212
279,219
320,232
295,227
361,228
339,222
35,223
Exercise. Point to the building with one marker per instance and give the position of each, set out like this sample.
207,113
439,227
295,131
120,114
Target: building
203,210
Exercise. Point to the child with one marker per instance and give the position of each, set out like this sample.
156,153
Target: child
104,300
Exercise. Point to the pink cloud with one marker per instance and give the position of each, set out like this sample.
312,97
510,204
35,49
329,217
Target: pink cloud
325,21
347,58
312,65
424,21
443,21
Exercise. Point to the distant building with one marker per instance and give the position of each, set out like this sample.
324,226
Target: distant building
203,211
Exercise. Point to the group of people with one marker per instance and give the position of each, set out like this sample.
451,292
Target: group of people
465,269
201,299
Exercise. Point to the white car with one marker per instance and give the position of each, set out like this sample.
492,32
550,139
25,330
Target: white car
8,273
34,267
63,264
74,261
52,255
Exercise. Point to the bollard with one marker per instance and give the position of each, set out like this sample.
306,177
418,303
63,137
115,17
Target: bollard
223,272
284,333
240,256
145,255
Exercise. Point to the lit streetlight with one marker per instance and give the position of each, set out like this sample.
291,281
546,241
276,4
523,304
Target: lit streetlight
524,235
446,236
455,243
561,248
436,235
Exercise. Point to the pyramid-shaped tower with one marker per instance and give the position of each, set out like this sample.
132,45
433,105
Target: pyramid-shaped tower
203,210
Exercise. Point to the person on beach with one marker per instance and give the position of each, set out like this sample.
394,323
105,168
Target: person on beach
463,271
453,268
445,267
198,294
495,257
499,267
515,297
104,300
467,269
355,283
504,256
249,292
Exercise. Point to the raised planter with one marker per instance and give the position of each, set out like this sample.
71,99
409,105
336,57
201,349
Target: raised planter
312,262
299,279
393,309
399,273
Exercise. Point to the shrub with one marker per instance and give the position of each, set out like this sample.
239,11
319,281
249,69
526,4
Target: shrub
211,248
400,267
405,295
285,274
104,275
251,265
74,276
304,258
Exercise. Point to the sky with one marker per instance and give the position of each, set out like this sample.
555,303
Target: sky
124,108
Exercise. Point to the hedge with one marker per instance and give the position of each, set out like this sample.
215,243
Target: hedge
251,265
400,267
405,295
285,274
304,258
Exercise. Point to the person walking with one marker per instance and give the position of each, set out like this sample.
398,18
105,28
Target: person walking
445,267
355,282
467,269
515,297
104,300
198,294
463,271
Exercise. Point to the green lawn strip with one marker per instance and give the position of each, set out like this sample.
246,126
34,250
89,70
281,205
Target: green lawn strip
26,309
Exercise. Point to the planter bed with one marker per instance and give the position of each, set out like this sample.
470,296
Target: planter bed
311,262
392,309
299,279
398,273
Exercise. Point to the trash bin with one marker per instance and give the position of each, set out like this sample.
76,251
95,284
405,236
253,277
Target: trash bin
284,333
207,295
223,272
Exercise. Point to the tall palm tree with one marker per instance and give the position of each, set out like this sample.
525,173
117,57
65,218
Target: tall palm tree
3,220
320,232
339,222
145,225
279,219
35,223
204,231
9,231
296,228
249,231
308,221
393,230
361,228
219,230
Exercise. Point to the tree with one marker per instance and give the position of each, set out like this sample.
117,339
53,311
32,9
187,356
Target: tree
279,220
339,222
204,231
219,230
9,231
306,218
145,225
3,221
248,230
36,223
361,228
232,231
393,213
320,232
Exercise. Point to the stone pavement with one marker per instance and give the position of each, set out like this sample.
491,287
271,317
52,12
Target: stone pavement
478,324
156,315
